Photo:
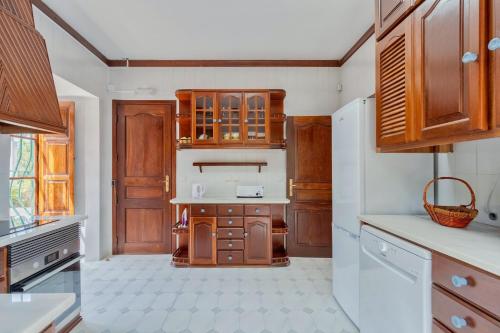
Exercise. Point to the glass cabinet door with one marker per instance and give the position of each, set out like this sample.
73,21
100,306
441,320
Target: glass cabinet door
257,118
204,118
230,117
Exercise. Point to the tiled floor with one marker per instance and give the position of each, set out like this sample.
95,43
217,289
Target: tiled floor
145,294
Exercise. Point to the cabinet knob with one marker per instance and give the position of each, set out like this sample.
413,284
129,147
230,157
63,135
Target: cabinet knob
230,222
458,322
202,210
230,258
230,245
245,121
220,121
257,210
494,44
458,281
230,233
469,57
214,234
229,210
214,120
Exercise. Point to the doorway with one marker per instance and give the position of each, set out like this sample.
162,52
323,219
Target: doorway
143,176
309,174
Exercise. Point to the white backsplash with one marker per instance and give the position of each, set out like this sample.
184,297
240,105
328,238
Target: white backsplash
4,175
222,181
477,162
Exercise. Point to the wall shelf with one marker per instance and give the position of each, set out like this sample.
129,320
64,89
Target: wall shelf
200,165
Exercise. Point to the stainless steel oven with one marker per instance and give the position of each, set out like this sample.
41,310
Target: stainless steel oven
49,263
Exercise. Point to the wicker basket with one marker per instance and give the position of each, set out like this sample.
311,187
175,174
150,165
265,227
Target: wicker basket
452,216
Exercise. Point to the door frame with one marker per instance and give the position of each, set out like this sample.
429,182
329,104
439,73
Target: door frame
173,179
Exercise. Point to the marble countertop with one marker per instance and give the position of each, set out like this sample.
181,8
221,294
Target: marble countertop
230,200
477,245
32,313
62,221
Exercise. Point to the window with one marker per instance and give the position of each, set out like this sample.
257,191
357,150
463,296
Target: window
23,185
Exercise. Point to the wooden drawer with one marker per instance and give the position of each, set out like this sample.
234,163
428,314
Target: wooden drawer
437,327
477,287
230,233
257,210
203,210
448,309
230,244
230,222
229,210
230,257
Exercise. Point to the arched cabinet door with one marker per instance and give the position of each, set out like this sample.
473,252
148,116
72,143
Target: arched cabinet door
204,118
202,241
258,249
257,118
230,118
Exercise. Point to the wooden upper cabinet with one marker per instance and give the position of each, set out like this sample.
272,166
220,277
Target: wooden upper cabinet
395,107
204,118
258,243
230,110
450,68
494,49
203,241
388,13
256,128
28,101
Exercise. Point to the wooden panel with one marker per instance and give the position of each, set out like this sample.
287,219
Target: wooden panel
450,95
230,222
143,192
21,9
143,226
495,63
4,282
56,163
395,108
230,233
388,13
26,77
437,327
229,210
233,244
230,258
445,306
257,210
482,289
258,241
203,210
312,228
202,241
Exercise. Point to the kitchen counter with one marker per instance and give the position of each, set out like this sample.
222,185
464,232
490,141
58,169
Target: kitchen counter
31,313
230,200
477,245
62,221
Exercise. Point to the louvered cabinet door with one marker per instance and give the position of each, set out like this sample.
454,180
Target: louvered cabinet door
395,112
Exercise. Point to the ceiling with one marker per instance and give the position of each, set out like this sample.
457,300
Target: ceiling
219,29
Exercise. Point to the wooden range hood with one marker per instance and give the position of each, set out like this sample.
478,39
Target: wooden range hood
28,100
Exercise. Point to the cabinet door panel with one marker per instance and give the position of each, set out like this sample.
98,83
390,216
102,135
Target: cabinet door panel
257,118
202,241
388,12
230,118
450,93
494,46
258,249
204,118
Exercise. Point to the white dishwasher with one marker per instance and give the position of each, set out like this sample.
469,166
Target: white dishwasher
395,285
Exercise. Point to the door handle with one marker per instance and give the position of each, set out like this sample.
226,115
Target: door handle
291,185
167,183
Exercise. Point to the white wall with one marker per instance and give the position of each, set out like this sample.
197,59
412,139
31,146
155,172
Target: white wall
357,75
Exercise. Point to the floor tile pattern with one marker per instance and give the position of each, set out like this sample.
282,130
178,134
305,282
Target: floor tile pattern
141,294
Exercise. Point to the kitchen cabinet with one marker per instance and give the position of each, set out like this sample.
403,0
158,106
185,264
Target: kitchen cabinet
390,12
202,241
28,100
258,249
231,119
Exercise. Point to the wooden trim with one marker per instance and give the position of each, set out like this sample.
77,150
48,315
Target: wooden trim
200,165
370,32
223,63
173,175
71,325
69,29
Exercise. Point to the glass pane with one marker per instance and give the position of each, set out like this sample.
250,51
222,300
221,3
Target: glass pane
235,103
22,158
209,133
225,103
22,197
260,103
251,103
200,102
210,103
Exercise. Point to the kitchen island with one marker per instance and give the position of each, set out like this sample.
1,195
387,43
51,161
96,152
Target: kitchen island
231,232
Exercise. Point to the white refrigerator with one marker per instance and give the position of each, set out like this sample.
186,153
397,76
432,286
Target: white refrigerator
366,182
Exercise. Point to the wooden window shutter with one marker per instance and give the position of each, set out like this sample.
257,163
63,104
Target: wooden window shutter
56,163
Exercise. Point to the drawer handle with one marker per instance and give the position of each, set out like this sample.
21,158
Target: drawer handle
459,282
245,234
202,210
230,233
230,210
230,245
469,57
458,322
257,210
230,222
494,44
230,258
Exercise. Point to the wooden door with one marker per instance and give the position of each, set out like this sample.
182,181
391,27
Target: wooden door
56,167
395,107
230,114
204,118
450,67
145,166
258,245
309,174
203,241
257,118
388,13
494,48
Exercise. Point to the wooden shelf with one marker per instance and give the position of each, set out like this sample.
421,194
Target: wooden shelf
177,229
180,258
280,228
280,257
200,165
